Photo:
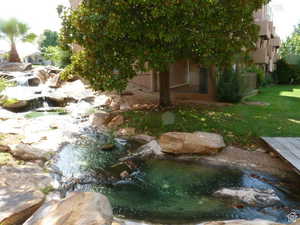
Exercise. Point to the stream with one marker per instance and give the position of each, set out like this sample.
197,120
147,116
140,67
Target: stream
160,191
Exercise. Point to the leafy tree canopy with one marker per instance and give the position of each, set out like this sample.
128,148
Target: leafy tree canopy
290,49
121,37
48,38
13,31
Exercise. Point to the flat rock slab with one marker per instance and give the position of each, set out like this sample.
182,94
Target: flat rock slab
21,192
253,160
15,66
287,147
77,209
202,143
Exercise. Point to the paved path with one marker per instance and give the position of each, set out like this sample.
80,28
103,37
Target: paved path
287,147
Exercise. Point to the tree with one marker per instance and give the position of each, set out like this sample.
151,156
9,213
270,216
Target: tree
120,38
14,30
59,56
48,38
290,49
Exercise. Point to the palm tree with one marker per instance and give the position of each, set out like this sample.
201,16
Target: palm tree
14,30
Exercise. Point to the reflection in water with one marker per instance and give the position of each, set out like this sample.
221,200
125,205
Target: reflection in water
164,191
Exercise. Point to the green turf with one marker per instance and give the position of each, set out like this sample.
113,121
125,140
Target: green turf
239,124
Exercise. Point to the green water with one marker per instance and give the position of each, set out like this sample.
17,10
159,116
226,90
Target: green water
167,191
32,115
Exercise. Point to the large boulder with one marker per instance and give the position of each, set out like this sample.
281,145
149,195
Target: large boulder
42,74
191,143
99,119
27,152
34,81
21,192
116,122
77,209
54,81
15,67
53,69
250,196
14,104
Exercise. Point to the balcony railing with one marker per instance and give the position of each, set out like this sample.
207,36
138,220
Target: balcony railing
276,42
265,28
260,56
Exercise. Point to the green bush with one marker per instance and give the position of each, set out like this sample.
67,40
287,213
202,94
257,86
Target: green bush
59,56
228,88
287,73
262,79
4,84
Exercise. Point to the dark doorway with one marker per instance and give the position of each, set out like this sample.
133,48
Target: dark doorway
203,85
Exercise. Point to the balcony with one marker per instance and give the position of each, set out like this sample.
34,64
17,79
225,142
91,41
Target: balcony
260,56
273,33
265,28
264,13
271,51
276,42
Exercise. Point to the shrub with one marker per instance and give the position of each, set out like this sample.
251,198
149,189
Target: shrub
262,79
287,73
59,56
4,84
228,88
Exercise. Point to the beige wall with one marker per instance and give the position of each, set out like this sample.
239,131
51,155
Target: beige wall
268,43
179,73
185,76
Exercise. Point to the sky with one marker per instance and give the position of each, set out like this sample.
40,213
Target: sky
38,14
42,14
286,15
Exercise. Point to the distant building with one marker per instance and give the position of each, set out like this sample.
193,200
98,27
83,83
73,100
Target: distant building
267,46
37,59
192,80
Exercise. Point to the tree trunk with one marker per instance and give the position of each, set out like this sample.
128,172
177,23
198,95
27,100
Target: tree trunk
164,89
13,54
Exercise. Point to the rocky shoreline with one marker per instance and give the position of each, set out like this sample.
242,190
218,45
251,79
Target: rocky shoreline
32,134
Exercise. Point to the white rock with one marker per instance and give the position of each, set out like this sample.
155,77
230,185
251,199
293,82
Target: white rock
20,192
191,143
77,209
251,196
27,152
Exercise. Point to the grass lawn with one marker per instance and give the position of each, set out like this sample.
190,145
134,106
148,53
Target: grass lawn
240,124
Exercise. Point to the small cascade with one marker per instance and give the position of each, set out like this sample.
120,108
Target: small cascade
21,81
44,92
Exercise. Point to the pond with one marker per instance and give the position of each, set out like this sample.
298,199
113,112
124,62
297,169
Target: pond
166,191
